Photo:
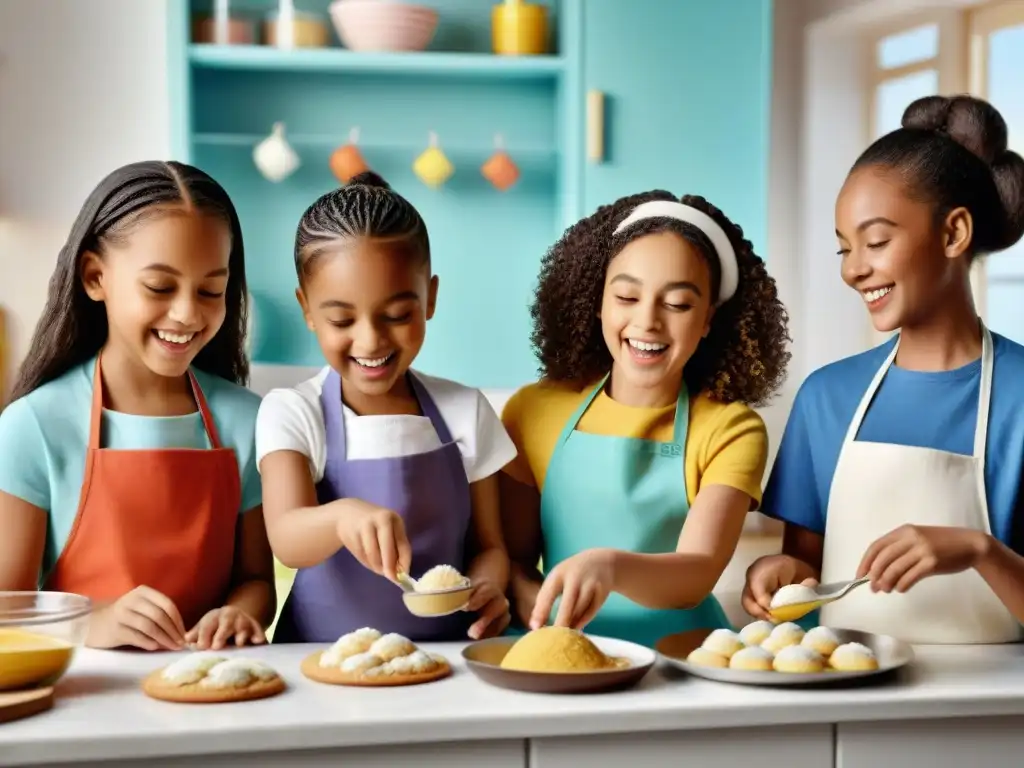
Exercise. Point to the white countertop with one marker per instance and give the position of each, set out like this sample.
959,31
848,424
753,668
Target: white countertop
101,713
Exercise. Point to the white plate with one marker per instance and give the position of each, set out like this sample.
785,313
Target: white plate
890,652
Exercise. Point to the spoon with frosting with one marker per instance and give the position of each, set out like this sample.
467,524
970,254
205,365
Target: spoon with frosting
794,601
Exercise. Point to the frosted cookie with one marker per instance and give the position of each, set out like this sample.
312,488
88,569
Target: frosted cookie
724,642
705,658
441,577
756,632
388,660
391,646
201,678
753,659
348,645
821,639
793,594
783,636
796,658
853,657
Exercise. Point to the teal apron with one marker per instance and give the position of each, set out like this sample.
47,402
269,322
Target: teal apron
625,493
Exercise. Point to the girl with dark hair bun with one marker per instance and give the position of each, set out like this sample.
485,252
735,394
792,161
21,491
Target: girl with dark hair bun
639,455
127,453
371,468
904,464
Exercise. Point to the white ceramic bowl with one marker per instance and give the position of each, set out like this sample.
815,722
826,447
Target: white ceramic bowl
383,25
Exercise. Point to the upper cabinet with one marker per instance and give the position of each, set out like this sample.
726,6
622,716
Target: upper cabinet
684,88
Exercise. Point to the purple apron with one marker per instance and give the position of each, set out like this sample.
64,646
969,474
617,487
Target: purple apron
429,491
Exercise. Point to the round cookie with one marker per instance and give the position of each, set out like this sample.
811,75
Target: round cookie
705,658
724,642
756,632
213,681
362,674
853,657
783,636
821,639
797,659
752,659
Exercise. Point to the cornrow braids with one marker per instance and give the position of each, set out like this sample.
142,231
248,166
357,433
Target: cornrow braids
745,354
365,207
73,328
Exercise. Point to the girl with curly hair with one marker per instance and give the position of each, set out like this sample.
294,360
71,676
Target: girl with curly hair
903,464
657,327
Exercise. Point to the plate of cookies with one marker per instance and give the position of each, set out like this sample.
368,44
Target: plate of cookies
366,657
207,678
763,653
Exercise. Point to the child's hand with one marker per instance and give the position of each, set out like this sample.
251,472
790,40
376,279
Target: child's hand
143,618
221,624
584,581
376,537
767,575
492,606
901,558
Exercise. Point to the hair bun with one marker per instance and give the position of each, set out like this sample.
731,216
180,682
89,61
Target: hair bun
974,124
369,179
1008,172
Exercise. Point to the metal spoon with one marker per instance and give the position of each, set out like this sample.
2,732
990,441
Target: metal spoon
824,593
405,581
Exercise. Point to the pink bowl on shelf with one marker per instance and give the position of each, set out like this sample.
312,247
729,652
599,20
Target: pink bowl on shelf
383,25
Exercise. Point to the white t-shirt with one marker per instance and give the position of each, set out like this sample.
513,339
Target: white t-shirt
292,419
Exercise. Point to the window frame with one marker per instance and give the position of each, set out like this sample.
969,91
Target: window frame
980,24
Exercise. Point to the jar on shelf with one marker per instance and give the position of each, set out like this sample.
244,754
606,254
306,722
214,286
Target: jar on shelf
222,27
308,30
519,28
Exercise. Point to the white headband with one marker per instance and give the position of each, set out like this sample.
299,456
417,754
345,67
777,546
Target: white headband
669,209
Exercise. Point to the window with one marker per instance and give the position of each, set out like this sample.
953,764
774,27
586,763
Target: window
997,60
905,66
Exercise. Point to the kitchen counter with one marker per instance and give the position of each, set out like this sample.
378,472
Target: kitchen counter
669,719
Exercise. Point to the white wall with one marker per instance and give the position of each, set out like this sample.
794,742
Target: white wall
83,89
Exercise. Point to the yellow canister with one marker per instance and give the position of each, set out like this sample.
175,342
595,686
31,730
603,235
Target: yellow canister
519,29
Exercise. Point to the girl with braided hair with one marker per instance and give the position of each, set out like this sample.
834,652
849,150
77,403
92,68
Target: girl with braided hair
371,468
639,455
903,464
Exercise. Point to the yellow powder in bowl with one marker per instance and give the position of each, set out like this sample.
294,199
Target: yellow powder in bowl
556,649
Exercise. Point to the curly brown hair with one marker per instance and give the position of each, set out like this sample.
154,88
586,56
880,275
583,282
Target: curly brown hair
745,354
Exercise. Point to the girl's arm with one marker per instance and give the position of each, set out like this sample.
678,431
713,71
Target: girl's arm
520,517
706,545
1003,570
253,585
301,532
21,544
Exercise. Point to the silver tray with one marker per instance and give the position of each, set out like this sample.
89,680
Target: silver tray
890,652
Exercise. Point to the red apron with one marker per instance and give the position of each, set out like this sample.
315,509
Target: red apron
161,518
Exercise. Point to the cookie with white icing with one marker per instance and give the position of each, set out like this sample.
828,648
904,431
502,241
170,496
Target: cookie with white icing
206,678
375,660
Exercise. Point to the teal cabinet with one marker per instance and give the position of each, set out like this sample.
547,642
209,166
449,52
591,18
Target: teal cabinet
686,90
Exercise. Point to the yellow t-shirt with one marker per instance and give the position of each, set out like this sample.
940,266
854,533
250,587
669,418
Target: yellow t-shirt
726,443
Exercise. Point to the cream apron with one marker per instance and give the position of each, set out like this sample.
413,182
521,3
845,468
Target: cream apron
877,487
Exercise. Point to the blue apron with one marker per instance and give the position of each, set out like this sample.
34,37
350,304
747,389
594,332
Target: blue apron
625,493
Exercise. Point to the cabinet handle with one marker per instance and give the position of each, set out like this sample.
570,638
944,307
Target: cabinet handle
595,126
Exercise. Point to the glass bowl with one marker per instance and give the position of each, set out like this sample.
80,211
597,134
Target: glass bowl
39,634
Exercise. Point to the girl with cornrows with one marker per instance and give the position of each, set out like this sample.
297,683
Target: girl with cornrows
903,464
371,468
639,456
127,466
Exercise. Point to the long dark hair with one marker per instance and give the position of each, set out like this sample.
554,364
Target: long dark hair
73,327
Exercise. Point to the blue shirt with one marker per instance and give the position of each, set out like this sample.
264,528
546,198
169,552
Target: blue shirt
44,437
923,409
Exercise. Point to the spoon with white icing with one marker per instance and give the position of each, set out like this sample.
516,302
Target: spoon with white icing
794,601
405,581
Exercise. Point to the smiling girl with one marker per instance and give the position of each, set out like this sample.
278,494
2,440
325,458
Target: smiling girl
372,467
903,464
127,466
639,455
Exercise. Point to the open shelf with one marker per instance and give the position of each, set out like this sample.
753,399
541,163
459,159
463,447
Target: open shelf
340,60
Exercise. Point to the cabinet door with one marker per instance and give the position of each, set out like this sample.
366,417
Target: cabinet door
686,88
